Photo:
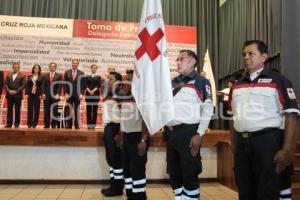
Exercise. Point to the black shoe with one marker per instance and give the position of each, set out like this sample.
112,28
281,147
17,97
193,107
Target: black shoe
103,190
111,192
16,126
129,194
7,126
33,126
77,127
46,126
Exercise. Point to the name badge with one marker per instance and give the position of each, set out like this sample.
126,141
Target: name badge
264,80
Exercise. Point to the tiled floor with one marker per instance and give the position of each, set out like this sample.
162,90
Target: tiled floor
209,191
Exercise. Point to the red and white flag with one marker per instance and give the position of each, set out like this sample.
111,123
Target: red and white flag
151,85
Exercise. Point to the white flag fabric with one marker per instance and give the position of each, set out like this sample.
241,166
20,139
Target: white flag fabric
151,84
222,2
210,76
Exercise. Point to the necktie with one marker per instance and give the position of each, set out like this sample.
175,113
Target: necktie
51,77
14,76
74,74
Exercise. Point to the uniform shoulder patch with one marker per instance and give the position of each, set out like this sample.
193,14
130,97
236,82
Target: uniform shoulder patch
291,93
208,90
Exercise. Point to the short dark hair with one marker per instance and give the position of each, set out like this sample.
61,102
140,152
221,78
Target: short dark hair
231,81
73,59
261,46
16,63
129,71
32,71
190,53
117,76
53,63
94,65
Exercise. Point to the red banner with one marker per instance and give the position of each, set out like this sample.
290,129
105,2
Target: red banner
128,31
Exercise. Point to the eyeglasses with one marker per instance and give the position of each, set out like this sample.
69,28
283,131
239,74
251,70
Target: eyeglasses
251,53
180,59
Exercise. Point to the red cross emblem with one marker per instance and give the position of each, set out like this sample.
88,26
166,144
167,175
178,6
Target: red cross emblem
149,44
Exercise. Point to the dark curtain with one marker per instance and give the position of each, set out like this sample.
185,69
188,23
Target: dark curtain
241,20
291,42
177,12
116,10
207,27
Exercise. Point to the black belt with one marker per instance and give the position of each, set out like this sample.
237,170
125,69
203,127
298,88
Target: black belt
180,126
247,135
112,124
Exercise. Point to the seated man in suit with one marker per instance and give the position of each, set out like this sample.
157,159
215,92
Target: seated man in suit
14,85
73,89
51,94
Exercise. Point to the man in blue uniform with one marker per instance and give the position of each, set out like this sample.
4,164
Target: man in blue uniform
112,136
193,111
265,116
135,144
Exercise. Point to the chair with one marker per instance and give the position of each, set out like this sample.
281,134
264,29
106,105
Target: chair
24,110
82,113
61,112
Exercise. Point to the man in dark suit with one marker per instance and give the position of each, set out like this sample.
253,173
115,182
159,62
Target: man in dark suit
92,85
14,85
1,82
52,87
73,89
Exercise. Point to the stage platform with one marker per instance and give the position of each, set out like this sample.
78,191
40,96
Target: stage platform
84,137
84,162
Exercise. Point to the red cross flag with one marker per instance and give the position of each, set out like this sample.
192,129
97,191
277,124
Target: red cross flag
151,85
